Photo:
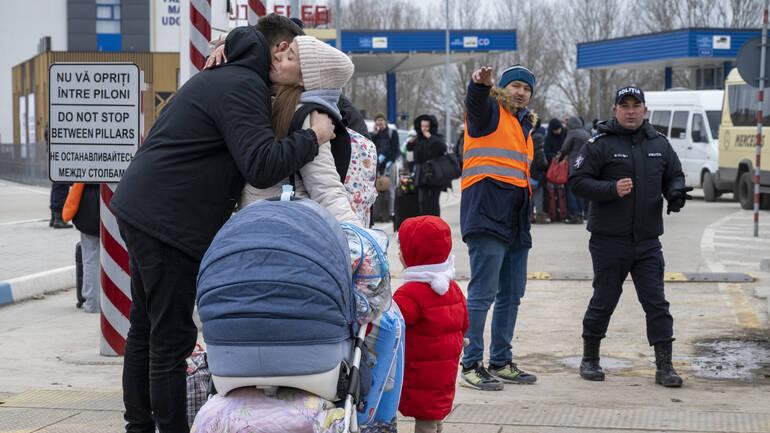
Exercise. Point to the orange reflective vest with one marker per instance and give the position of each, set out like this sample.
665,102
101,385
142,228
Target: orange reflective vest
504,154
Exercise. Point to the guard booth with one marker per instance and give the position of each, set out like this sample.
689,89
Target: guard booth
709,51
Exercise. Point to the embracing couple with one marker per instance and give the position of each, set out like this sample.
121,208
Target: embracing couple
219,141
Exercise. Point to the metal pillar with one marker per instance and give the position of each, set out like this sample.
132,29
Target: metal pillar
758,147
338,30
392,104
447,96
727,66
669,74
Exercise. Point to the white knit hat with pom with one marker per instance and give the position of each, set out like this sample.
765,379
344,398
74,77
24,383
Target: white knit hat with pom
323,66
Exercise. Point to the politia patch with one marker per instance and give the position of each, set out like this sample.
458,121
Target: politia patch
579,161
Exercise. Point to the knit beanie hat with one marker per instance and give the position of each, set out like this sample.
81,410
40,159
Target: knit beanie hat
323,66
514,73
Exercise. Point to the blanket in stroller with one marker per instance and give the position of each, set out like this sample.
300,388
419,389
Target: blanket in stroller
281,410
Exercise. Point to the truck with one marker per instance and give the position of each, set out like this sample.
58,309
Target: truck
737,141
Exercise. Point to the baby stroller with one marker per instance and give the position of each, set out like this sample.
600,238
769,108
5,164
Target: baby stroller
276,300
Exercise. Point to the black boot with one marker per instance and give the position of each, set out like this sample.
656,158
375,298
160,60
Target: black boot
58,222
589,365
665,374
53,218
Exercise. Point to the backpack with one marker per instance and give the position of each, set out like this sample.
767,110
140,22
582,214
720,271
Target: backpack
355,157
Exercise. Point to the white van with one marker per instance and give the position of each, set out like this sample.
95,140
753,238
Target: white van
690,119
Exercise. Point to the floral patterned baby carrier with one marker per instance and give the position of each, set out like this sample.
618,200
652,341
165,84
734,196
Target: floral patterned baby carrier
362,172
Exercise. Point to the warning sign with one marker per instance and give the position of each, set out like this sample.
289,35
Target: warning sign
94,120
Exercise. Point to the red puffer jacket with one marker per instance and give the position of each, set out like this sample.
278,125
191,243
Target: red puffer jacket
435,324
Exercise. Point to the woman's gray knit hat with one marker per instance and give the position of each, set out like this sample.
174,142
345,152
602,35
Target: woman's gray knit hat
323,66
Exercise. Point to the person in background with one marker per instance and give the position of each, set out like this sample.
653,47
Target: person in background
58,196
427,144
388,153
459,143
573,142
436,319
408,155
554,139
537,173
626,171
85,198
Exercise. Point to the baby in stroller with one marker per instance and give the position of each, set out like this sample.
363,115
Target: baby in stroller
283,326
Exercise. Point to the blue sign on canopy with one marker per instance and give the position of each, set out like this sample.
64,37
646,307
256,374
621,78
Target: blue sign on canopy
676,48
427,41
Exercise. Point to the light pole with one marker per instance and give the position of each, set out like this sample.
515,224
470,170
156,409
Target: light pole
446,77
337,10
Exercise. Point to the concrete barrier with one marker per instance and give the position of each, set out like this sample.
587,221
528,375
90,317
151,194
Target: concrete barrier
28,286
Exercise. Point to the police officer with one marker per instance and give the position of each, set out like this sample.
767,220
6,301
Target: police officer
625,171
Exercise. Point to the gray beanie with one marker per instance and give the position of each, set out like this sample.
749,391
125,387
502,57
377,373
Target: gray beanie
323,66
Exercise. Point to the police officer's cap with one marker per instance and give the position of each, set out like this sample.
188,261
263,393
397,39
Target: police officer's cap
629,90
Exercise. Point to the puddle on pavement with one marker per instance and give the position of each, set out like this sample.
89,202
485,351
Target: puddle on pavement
607,363
732,359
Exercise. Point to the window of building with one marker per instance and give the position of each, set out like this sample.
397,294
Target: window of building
679,124
661,120
108,37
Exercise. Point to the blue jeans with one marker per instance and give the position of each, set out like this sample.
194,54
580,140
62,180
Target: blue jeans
575,204
499,274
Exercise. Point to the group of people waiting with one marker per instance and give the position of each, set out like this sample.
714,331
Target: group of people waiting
559,142
228,137
424,143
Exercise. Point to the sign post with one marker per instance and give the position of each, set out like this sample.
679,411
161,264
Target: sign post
94,121
95,116
753,69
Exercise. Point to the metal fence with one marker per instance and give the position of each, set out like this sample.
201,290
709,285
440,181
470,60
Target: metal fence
25,163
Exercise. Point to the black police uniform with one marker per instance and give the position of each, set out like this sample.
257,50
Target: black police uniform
624,231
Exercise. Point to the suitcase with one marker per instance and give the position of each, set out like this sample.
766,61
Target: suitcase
381,207
557,202
407,206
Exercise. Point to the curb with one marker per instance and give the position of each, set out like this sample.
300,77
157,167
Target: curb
29,286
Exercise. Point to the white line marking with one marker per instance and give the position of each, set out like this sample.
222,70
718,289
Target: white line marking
9,223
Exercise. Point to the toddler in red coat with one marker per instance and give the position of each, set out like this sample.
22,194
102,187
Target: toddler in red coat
436,319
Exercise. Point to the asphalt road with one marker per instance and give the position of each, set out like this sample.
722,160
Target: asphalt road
48,346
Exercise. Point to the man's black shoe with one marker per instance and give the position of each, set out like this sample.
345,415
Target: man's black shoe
589,365
665,374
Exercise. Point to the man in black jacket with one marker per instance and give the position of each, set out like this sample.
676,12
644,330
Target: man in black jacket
625,171
182,185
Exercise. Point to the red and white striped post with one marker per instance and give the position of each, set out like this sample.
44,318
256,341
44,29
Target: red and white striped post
115,275
115,279
759,121
195,34
200,33
256,9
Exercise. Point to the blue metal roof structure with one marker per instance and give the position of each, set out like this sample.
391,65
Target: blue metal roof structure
690,47
390,51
